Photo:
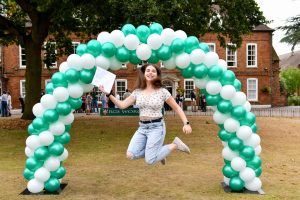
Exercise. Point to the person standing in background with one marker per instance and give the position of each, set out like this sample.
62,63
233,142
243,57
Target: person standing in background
94,101
9,104
103,100
4,98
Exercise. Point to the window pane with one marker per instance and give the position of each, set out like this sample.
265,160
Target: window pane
189,86
121,87
252,89
251,51
23,57
75,45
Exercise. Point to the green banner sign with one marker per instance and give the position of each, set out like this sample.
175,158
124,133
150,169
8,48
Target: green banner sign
119,112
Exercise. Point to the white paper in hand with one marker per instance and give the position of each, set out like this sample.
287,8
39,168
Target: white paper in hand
105,78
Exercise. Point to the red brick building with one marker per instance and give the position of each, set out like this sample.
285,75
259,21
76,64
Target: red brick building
255,64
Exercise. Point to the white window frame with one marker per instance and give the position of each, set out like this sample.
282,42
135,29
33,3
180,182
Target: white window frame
54,65
124,66
162,65
20,57
256,94
116,87
1,87
75,45
212,45
22,93
247,51
235,57
185,91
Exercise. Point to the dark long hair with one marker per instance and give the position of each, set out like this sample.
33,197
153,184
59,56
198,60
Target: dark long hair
141,81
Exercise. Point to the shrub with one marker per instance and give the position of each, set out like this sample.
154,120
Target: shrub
294,101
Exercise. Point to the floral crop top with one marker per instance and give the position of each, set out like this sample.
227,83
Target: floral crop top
150,105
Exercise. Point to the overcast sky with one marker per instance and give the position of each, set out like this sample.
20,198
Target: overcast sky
279,11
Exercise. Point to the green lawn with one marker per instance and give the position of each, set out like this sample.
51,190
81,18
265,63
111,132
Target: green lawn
98,169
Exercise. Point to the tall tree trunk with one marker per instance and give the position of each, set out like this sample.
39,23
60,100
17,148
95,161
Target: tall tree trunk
32,77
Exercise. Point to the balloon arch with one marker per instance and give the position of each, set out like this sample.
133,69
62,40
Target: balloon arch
49,131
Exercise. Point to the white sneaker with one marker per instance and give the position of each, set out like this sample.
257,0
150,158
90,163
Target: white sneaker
181,146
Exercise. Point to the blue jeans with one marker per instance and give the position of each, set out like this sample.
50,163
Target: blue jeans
4,112
95,105
148,142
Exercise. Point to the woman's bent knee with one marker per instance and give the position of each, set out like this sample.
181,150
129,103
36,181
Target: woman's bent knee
129,155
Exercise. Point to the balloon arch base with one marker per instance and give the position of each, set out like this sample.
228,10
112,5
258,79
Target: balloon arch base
227,189
45,192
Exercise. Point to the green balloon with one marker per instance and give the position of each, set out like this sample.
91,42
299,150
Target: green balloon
87,75
49,88
191,42
238,112
215,72
235,143
40,124
72,75
187,72
221,126
75,103
248,120
128,29
258,172
153,58
81,49
33,163
227,77
56,148
254,128
68,127
212,100
122,54
28,175
143,33
203,91
229,172
254,163
225,135
164,53
200,71
94,47
237,85
156,28
108,49
63,108
224,106
59,173
236,183
247,153
177,46
52,185
64,138
204,47
58,79
31,130
227,162
133,58
50,115
41,153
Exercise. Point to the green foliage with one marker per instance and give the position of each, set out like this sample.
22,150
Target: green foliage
294,101
291,80
266,90
292,31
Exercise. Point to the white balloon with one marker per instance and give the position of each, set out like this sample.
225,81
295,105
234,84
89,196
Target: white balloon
154,41
75,90
68,119
180,34
213,87
38,110
219,117
115,64
61,94
35,186
29,152
247,174
183,60
74,61
238,164
48,101
227,92
57,128
88,61
33,142
254,185
211,58
253,140
42,174
64,155
52,163
228,154
225,144
104,37
226,180
239,99
103,62
257,150
167,35
222,63
231,125
131,42
201,83
63,67
143,52
46,138
117,38
170,64
244,132
247,106
197,56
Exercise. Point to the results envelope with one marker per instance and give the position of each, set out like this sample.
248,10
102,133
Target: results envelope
105,78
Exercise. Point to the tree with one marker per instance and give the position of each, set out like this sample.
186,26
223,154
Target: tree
31,22
291,80
292,32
